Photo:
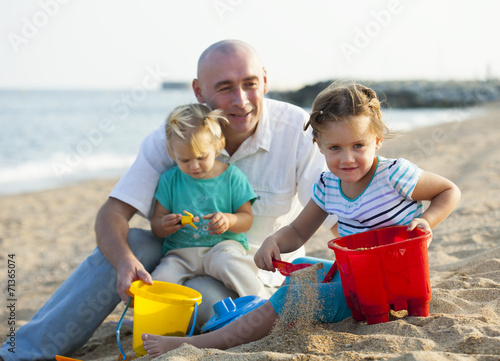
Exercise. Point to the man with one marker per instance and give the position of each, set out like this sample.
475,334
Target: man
265,139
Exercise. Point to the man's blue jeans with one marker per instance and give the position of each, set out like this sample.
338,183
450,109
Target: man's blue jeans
79,306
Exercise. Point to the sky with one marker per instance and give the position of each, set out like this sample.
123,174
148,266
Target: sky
115,44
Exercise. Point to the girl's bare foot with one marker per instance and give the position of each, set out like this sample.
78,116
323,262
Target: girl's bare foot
158,345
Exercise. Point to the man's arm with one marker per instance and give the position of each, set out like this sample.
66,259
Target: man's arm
112,229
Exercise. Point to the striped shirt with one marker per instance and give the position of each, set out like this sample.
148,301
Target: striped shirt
386,201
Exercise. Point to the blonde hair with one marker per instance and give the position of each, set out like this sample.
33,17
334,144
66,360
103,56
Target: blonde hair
341,102
190,122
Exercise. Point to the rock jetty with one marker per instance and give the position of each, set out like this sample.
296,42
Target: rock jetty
409,94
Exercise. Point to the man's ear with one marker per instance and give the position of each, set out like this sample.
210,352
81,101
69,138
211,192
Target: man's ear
266,85
197,91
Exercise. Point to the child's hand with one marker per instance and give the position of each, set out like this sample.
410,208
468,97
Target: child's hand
171,223
266,253
420,223
219,223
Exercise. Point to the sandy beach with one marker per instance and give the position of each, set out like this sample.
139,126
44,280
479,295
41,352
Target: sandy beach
51,232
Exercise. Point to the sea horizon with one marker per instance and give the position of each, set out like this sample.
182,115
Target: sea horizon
54,138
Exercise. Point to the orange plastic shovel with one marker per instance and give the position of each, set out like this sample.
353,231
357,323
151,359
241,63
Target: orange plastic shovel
286,268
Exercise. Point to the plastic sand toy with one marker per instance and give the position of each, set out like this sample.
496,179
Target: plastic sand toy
162,309
286,268
384,269
229,310
189,219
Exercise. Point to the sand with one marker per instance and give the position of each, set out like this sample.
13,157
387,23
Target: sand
51,232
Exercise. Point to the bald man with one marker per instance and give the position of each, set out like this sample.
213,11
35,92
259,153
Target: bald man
264,138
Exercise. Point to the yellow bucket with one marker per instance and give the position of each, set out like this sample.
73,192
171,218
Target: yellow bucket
161,309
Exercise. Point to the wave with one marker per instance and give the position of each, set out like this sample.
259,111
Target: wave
56,172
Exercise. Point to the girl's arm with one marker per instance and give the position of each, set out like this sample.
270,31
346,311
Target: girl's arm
164,223
443,195
237,222
290,237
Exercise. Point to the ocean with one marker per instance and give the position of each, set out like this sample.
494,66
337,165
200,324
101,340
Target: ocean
53,138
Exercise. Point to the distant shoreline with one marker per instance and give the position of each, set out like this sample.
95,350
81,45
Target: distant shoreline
409,93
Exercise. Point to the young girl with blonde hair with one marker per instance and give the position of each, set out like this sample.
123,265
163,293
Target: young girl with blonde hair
213,242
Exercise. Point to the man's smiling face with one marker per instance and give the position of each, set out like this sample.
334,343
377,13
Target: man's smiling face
235,82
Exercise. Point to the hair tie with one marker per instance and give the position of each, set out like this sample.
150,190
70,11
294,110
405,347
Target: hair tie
373,106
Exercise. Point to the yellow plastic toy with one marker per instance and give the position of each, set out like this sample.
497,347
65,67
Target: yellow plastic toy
189,219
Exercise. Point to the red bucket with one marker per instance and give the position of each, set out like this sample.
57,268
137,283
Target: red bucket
383,269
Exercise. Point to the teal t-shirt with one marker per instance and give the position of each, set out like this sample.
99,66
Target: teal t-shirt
225,193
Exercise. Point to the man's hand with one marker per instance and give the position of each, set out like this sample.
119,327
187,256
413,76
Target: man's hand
130,270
